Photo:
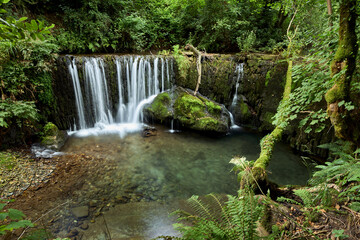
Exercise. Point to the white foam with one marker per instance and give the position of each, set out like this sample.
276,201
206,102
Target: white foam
121,129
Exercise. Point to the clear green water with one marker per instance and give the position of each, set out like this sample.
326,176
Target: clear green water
183,164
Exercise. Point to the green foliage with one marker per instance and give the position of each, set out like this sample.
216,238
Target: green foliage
21,113
311,80
343,171
339,234
26,62
212,219
11,219
182,62
242,166
310,203
126,25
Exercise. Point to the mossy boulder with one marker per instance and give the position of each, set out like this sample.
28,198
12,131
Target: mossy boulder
160,108
192,112
52,137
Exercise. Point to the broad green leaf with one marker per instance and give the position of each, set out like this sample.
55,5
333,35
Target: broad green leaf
22,19
2,205
19,224
303,122
313,122
15,214
3,216
320,128
341,103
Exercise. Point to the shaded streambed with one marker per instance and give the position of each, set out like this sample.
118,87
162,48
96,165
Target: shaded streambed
164,170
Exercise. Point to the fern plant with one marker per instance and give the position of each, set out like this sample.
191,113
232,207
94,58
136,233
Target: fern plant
309,207
211,218
344,171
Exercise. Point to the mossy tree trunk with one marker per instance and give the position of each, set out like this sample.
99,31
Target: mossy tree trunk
345,119
257,177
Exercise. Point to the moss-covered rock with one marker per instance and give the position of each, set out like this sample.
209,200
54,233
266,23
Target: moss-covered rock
52,137
193,112
160,108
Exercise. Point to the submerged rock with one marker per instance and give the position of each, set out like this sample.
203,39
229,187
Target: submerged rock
80,212
149,131
193,112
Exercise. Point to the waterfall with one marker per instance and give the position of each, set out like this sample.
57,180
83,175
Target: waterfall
240,73
78,95
114,101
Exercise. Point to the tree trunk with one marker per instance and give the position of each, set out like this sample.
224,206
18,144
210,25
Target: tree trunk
330,11
198,65
329,7
345,121
257,177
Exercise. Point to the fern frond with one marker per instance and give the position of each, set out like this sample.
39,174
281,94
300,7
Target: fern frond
284,199
306,197
202,209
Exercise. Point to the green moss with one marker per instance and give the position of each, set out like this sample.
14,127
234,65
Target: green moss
199,113
334,94
267,78
189,106
160,106
48,140
244,108
50,133
207,124
50,129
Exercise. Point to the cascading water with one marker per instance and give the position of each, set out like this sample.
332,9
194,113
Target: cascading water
78,95
240,73
138,80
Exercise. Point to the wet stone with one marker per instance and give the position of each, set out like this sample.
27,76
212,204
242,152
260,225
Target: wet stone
84,226
73,233
80,212
93,203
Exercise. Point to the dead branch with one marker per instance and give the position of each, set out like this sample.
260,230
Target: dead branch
198,65
51,210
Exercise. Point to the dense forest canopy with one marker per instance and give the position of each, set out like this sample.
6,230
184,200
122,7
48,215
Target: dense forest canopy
211,25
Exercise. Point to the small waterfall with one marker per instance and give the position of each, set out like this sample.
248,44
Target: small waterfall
78,95
97,91
240,73
137,80
232,121
172,128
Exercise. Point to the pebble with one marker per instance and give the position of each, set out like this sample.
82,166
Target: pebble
24,173
84,226
80,212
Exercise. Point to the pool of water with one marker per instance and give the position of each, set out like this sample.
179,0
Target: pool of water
182,164
167,168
